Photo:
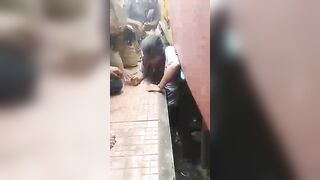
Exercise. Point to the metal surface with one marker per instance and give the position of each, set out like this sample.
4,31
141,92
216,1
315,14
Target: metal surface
283,65
190,24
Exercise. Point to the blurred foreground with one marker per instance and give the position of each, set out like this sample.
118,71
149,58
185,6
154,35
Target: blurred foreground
266,92
53,90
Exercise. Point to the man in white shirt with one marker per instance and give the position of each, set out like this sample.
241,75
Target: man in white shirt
160,67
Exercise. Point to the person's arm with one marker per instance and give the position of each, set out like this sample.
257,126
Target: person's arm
150,25
170,73
133,22
116,72
137,79
138,26
156,18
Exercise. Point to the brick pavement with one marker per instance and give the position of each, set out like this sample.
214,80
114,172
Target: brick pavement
134,122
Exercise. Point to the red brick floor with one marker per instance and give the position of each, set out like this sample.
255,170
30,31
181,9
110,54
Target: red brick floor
134,122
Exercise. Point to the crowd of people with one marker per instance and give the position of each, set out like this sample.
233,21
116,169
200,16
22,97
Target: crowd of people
160,64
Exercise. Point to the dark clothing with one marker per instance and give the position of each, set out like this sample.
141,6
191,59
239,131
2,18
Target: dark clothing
173,115
137,11
245,146
154,46
143,11
115,85
153,74
17,73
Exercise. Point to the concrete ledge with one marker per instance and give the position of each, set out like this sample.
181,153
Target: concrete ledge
140,122
166,163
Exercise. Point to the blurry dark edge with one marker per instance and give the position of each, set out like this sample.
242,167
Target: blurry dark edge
243,146
107,26
18,71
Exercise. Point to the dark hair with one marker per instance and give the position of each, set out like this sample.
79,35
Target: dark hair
152,45
129,36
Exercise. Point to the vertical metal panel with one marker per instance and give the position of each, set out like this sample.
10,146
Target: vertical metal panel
190,23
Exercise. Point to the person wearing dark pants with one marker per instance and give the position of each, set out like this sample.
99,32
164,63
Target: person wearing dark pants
160,67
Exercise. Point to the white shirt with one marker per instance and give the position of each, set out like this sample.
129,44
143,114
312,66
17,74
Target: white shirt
171,87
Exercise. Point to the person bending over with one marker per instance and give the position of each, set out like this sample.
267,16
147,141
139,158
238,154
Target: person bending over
160,67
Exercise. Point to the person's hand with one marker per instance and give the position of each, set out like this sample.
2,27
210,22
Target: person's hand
138,26
140,31
147,27
127,77
153,88
115,71
134,80
131,80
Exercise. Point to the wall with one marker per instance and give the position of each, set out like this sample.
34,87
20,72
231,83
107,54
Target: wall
190,23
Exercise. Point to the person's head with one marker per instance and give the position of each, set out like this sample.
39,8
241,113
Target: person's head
152,47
